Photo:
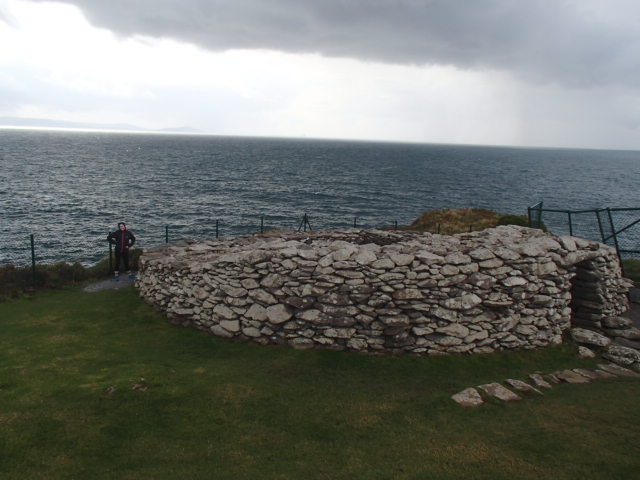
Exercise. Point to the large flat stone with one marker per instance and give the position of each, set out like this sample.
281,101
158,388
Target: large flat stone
498,391
469,397
570,376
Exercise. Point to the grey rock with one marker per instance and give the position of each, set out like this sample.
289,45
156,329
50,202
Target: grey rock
631,333
256,312
622,355
469,397
539,381
279,313
218,331
617,322
581,335
498,391
584,352
224,312
521,386
263,296
617,370
590,374
464,302
454,330
570,376
232,326
251,332
514,281
401,259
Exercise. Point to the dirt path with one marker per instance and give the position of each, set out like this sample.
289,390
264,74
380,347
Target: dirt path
110,284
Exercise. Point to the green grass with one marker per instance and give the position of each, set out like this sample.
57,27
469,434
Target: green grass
216,409
452,221
632,269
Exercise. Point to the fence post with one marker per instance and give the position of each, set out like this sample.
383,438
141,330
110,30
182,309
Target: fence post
570,224
33,262
355,222
166,234
262,224
614,234
395,224
217,230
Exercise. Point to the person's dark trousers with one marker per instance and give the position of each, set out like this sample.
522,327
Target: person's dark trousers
125,258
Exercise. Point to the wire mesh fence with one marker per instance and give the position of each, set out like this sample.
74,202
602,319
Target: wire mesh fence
43,247
616,227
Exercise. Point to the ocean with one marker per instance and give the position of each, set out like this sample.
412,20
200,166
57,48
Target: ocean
69,189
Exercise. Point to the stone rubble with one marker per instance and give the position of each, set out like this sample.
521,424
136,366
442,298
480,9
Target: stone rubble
471,397
391,291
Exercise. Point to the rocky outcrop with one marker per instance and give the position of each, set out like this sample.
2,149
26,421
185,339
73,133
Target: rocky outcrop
381,291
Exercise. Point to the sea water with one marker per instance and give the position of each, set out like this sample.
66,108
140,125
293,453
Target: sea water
69,189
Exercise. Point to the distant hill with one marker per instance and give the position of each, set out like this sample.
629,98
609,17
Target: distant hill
48,123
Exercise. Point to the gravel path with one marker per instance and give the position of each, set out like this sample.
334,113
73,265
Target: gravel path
110,284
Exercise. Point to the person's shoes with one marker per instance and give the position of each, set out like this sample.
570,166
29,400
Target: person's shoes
117,278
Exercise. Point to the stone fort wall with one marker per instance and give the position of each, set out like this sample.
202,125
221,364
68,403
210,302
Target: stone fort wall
388,291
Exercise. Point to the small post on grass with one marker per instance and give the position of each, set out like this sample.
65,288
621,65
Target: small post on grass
33,262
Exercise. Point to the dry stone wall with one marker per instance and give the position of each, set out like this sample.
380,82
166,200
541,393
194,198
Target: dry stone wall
382,291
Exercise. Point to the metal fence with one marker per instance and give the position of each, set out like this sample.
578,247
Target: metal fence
43,247
616,227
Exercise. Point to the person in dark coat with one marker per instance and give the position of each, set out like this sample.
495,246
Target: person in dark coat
122,239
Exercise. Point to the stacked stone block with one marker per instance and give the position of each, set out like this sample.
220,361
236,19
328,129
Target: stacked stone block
387,291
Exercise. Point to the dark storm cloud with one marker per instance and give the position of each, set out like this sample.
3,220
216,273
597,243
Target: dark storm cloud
580,42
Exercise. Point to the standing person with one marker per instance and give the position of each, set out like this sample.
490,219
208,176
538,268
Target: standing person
123,239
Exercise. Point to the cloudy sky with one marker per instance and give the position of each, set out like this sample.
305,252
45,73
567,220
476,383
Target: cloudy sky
504,72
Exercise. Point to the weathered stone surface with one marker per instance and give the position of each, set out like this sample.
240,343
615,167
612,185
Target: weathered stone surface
257,312
584,352
278,313
218,331
622,355
631,333
589,337
232,326
252,332
570,376
224,312
454,330
498,391
590,374
464,302
263,297
407,294
617,370
539,381
469,397
522,386
514,281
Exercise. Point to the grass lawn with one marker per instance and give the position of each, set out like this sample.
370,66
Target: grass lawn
184,405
